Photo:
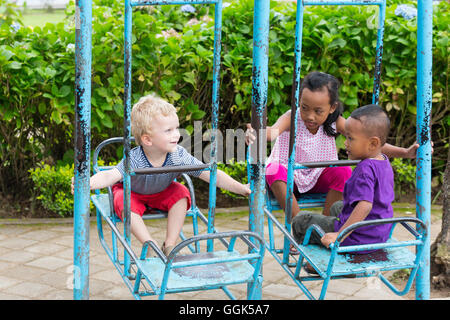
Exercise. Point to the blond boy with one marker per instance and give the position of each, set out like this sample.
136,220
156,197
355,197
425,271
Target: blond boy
154,125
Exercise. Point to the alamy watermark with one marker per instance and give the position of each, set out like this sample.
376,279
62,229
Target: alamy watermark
231,144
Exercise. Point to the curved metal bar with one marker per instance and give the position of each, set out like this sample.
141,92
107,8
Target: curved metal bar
366,223
211,236
190,186
102,145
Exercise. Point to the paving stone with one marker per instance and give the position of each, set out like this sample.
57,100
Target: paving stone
282,291
39,235
118,293
59,295
6,296
17,243
49,263
25,273
6,282
45,248
18,256
31,290
110,275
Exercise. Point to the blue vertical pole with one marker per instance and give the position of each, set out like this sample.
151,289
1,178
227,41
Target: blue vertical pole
127,130
214,120
379,52
293,127
423,174
257,155
81,213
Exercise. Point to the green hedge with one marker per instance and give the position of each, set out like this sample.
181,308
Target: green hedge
172,56
51,184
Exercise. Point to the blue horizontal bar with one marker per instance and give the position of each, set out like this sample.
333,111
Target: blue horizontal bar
341,3
171,169
170,2
324,164
133,173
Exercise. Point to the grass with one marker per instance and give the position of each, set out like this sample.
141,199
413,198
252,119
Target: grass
39,17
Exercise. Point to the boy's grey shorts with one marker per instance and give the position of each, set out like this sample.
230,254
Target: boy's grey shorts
302,221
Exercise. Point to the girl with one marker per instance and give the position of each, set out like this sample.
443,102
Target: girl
320,121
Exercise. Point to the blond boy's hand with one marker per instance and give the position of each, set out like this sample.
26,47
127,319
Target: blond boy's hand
72,187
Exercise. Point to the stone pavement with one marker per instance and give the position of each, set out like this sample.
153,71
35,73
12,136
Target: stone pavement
36,259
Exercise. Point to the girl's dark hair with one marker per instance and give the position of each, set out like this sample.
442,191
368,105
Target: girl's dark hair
316,81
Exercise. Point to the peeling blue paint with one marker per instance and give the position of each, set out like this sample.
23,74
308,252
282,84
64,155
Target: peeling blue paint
257,152
214,120
423,171
82,149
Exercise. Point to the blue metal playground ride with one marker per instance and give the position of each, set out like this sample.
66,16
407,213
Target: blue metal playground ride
160,273
177,272
335,263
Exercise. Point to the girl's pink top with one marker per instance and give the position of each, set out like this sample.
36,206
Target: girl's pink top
308,148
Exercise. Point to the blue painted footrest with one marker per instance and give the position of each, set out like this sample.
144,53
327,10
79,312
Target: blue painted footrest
199,276
360,264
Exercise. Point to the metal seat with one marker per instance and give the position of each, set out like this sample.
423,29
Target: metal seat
202,271
340,261
178,272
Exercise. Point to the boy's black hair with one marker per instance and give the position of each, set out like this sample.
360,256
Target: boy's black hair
375,120
316,81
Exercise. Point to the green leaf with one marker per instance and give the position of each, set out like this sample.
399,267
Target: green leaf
55,91
42,108
339,42
102,92
238,99
14,65
56,117
64,91
190,78
50,72
412,109
5,53
245,29
197,115
107,122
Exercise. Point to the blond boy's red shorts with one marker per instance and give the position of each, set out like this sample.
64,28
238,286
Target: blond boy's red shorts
139,203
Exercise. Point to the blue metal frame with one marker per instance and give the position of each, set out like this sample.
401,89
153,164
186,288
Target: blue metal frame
423,128
83,17
424,58
82,133
256,154
236,267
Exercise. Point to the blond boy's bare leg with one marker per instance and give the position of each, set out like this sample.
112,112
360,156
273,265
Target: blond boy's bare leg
139,229
175,221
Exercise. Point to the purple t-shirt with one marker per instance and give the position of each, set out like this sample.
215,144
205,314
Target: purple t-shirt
373,181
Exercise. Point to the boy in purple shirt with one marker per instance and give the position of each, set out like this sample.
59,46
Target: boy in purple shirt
368,193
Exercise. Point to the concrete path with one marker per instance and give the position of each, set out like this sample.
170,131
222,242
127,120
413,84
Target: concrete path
36,259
